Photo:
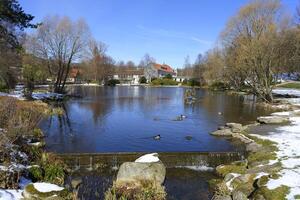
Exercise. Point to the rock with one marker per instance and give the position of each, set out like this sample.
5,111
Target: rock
221,197
247,189
270,169
259,197
228,177
45,191
76,182
133,172
253,147
272,120
238,195
242,138
223,132
235,127
244,178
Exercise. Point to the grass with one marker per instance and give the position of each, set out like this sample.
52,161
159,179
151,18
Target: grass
147,190
292,85
226,169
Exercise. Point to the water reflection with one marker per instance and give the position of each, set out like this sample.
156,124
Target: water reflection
111,119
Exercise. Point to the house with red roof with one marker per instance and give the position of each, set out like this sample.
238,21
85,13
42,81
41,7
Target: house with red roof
155,70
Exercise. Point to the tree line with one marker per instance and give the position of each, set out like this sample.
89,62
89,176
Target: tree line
258,45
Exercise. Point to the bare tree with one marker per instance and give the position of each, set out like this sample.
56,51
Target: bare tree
60,41
251,41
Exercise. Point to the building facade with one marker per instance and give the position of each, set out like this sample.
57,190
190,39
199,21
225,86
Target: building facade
155,70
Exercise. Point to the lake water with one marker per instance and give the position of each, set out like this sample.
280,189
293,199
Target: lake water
125,119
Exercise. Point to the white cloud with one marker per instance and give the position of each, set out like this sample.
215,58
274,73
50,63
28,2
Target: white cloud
173,34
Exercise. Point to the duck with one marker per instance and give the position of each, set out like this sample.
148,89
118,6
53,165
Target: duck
157,137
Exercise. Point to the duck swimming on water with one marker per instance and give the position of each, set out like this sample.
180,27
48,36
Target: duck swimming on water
157,137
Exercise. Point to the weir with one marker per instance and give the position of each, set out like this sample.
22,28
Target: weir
95,161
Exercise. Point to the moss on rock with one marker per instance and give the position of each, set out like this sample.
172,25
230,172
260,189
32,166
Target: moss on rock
275,194
226,169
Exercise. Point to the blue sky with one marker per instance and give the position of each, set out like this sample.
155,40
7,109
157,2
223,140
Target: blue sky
168,30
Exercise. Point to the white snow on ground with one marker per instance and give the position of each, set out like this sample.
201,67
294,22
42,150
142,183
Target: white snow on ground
14,194
288,142
228,183
46,95
47,187
148,158
284,91
281,114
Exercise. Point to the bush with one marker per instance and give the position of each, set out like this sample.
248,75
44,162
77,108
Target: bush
20,118
54,169
147,190
164,82
36,174
112,82
218,85
143,80
168,76
191,82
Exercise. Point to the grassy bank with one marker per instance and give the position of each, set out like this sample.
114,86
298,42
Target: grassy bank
291,85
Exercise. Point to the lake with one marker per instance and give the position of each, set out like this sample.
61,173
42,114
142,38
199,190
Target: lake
125,119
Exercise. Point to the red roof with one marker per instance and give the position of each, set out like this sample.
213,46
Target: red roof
163,67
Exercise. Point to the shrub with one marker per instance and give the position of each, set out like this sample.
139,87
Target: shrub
143,80
36,174
112,82
218,85
146,190
20,118
168,76
54,168
164,82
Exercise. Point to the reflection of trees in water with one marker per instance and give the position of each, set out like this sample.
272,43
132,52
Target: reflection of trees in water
238,108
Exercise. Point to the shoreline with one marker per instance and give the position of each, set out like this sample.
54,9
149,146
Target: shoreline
271,169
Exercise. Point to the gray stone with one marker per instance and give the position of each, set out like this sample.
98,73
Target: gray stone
238,195
242,138
223,132
253,147
265,168
228,177
132,172
235,127
76,182
272,120
221,197
31,193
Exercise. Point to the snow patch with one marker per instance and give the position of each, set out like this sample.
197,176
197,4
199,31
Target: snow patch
47,187
228,183
197,168
148,158
284,91
288,139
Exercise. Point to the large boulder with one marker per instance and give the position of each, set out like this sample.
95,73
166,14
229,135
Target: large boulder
235,127
272,120
137,172
221,197
45,191
223,132
253,147
238,195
